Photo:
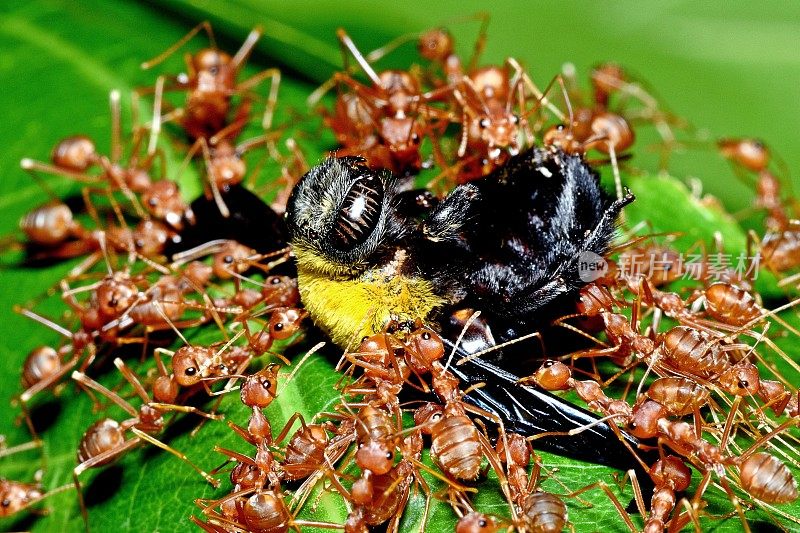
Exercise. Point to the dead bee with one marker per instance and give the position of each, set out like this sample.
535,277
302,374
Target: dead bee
508,244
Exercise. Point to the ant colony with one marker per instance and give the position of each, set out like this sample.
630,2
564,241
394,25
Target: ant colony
362,352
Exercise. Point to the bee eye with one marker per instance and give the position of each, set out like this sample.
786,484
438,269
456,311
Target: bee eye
359,214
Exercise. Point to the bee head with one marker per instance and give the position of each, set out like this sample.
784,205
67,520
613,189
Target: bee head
339,212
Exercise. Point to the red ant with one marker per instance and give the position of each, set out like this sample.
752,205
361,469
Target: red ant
210,83
105,440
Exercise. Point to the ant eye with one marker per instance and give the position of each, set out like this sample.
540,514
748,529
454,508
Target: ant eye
548,364
389,455
214,70
484,123
743,384
415,138
279,326
483,523
436,416
6,503
426,335
275,281
514,119
228,259
359,213
139,243
152,202
190,371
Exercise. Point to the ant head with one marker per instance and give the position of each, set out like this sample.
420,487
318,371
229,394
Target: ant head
475,522
644,422
115,295
163,201
749,153
261,388
427,416
231,259
375,456
227,171
150,237
211,61
285,322
280,290
498,129
74,153
15,496
561,137
425,344
435,44
741,379
186,366
553,375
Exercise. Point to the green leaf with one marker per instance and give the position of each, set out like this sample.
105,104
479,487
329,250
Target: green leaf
60,60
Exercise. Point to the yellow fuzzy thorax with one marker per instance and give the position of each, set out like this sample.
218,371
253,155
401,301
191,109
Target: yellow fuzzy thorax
350,308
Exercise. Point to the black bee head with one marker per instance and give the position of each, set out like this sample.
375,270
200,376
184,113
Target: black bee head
339,211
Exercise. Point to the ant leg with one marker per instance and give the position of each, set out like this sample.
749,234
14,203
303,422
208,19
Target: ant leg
348,45
85,380
205,25
274,75
97,460
247,48
212,182
155,442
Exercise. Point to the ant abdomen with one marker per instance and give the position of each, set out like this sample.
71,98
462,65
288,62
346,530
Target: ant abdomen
765,477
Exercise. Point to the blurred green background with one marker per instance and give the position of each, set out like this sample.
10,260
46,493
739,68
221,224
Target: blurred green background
732,68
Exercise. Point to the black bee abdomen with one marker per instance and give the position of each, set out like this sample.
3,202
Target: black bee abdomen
359,213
